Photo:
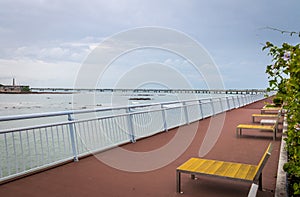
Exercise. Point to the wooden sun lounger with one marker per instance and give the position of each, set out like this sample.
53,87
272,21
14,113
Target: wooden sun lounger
223,169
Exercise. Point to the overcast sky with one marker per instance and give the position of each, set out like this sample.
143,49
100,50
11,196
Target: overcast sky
44,43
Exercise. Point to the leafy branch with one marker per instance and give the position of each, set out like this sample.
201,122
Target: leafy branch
291,33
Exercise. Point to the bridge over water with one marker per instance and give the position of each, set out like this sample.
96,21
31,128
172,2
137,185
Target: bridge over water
197,91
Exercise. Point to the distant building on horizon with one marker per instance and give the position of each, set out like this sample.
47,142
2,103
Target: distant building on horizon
14,88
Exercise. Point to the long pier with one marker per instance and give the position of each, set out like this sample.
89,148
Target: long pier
192,91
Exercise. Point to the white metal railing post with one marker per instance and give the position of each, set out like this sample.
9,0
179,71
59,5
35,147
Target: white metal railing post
244,100
222,109
130,125
163,112
72,137
239,103
234,103
212,106
186,112
228,104
201,108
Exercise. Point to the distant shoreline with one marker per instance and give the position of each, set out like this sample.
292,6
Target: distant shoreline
37,92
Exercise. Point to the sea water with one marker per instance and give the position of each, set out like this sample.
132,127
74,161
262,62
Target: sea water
17,104
21,104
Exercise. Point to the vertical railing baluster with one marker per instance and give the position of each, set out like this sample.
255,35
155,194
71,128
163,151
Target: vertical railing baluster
42,147
201,109
58,140
234,103
35,148
15,152
221,105
72,137
53,147
111,130
87,131
47,144
7,155
101,132
29,150
63,138
22,151
163,112
228,104
239,103
243,100
81,135
212,107
95,134
130,125
186,115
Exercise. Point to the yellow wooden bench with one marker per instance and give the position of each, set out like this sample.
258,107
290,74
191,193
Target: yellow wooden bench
272,128
270,110
223,169
262,116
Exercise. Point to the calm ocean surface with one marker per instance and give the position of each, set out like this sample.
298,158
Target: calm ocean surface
16,104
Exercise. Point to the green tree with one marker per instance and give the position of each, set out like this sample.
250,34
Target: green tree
25,89
284,77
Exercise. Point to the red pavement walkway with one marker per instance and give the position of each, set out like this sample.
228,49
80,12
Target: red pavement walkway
91,177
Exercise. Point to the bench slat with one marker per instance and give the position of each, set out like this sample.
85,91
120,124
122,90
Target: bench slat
243,172
252,172
222,169
265,115
206,166
215,167
232,170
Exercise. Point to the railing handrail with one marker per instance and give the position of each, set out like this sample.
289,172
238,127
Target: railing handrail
86,119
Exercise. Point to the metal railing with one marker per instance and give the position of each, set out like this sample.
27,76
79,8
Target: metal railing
75,134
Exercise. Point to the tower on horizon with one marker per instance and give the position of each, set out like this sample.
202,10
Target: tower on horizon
14,82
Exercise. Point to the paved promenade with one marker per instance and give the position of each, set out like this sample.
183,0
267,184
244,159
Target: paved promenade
91,177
